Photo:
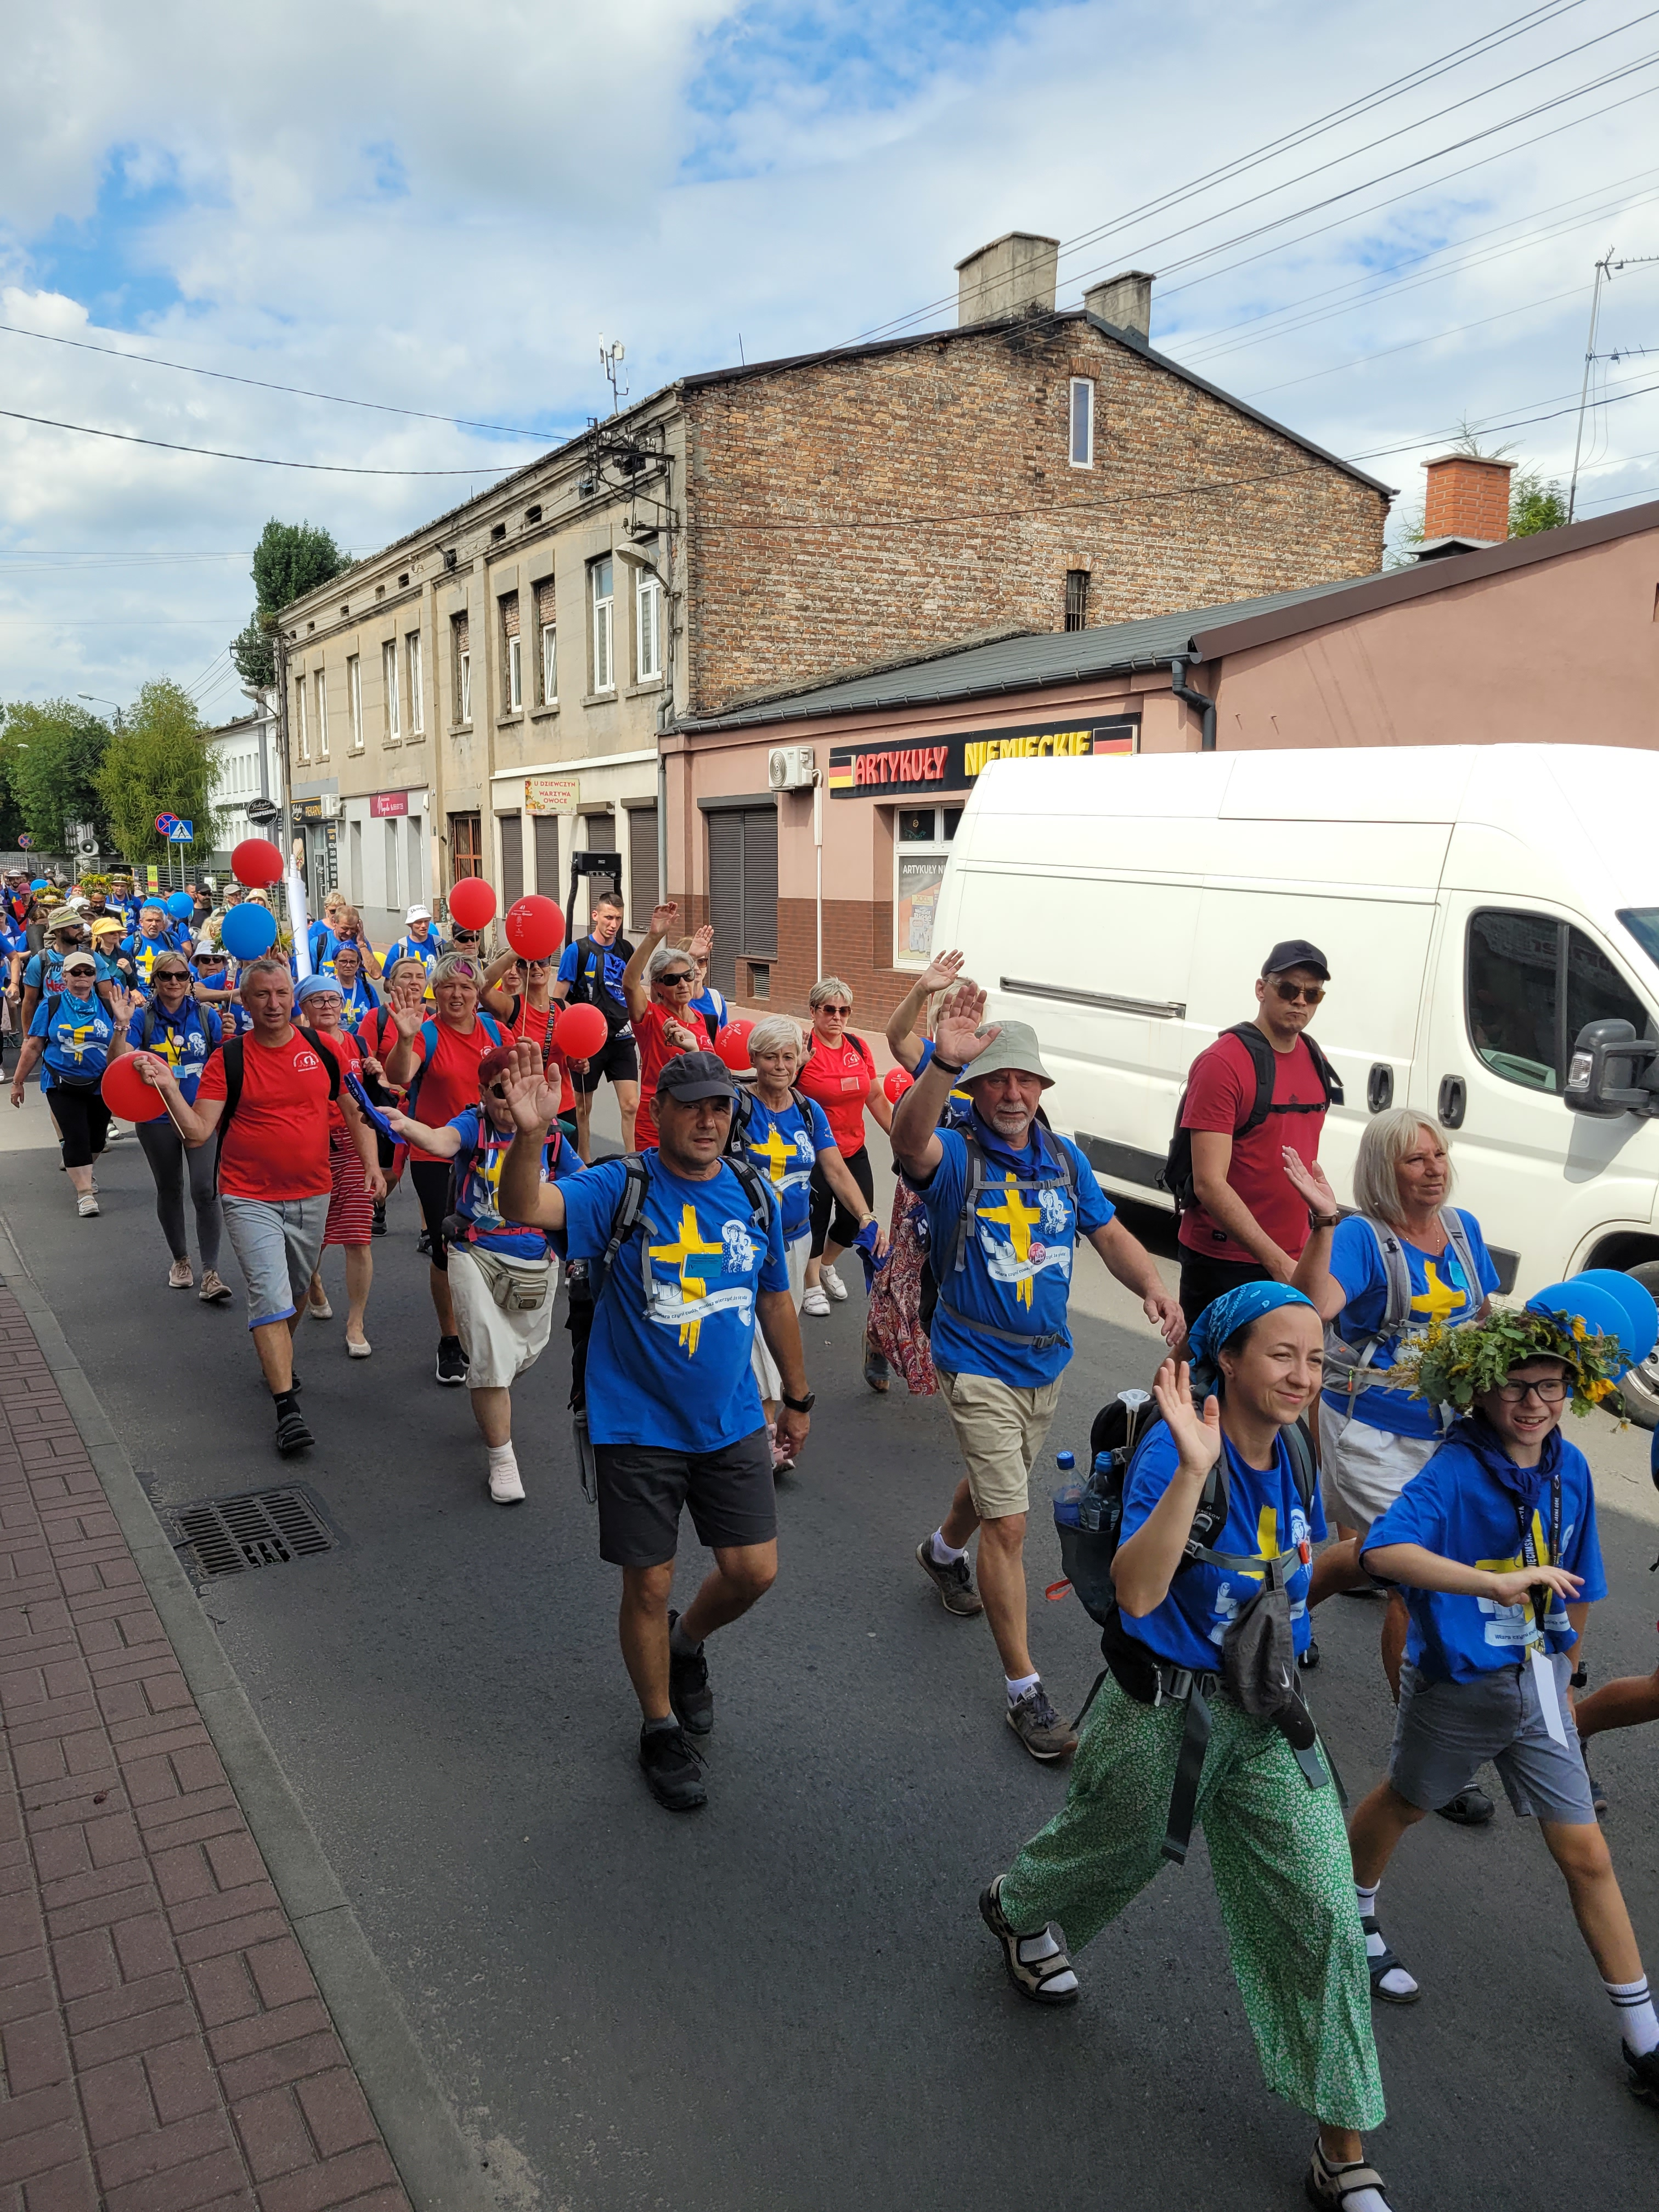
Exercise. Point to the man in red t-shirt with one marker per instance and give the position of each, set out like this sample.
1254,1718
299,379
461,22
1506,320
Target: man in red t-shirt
1246,1224
659,982
274,1172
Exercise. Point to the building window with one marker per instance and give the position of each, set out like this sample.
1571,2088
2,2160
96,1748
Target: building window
601,589
466,847
647,624
321,701
417,690
460,639
641,864
389,682
355,699
921,844
1083,423
1076,598
742,889
513,656
302,736
550,665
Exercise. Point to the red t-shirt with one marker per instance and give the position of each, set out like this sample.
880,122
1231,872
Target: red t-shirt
656,1052
1220,1092
275,1144
535,1023
839,1079
450,1085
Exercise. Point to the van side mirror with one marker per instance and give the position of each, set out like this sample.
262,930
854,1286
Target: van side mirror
1612,1071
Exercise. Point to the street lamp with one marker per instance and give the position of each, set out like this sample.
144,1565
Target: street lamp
93,698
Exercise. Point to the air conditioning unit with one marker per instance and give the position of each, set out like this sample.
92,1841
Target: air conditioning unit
330,805
791,768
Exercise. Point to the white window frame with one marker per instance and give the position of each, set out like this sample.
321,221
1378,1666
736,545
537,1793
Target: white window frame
514,675
322,717
389,682
304,730
355,699
466,684
416,687
647,625
550,664
1082,390
603,605
938,847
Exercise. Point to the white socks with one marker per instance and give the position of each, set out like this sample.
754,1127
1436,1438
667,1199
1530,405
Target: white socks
1637,2022
1034,1949
1396,1982
501,1458
1357,2200
1017,1690
943,1555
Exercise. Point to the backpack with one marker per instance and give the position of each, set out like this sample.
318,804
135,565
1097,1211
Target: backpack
589,990
950,1261
429,1045
1347,1360
1176,1176
234,1053
736,1144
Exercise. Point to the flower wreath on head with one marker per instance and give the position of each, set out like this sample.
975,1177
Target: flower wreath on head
1454,1366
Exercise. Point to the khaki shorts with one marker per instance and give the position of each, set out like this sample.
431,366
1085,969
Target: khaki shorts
1362,1468
500,1343
1000,1431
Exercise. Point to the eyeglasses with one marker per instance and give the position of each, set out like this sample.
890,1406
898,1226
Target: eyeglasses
842,1011
1549,1393
497,1092
1310,993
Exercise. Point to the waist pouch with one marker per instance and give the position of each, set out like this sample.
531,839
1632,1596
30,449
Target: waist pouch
1258,1665
516,1285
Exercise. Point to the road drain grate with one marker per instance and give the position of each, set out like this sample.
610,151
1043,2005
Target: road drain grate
258,1529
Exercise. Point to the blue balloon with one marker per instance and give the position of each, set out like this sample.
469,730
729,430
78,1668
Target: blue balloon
1640,1309
1601,1313
247,931
181,906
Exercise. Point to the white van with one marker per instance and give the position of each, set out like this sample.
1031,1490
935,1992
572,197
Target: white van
1481,906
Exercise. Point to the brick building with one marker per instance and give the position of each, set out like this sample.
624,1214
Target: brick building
488,693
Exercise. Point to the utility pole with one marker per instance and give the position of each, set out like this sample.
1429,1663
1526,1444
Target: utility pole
1604,268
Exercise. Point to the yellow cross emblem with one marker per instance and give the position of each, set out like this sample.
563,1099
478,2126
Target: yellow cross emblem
1440,1299
1017,1219
690,1247
78,1036
777,1152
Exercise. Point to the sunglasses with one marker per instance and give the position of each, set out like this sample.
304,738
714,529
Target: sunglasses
1310,994
171,975
682,976
527,964
497,1092
842,1011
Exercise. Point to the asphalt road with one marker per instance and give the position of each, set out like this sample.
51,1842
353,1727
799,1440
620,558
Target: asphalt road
789,2000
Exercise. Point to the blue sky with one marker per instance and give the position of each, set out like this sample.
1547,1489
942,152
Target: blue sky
391,202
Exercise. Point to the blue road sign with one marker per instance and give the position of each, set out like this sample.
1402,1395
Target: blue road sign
182,833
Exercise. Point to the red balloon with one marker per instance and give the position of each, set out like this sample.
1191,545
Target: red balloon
580,1031
896,1082
732,1044
534,927
257,863
472,903
126,1093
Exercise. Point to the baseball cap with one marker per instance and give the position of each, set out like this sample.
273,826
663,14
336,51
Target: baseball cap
76,962
495,1063
694,1075
1295,952
418,914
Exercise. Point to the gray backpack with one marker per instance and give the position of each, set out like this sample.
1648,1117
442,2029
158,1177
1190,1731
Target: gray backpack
1348,1360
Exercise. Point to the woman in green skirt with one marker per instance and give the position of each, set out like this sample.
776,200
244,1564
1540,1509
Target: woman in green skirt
1156,1743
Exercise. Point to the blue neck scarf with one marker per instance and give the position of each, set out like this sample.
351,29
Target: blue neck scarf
1526,1485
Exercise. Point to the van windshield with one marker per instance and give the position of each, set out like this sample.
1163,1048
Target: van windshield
1642,923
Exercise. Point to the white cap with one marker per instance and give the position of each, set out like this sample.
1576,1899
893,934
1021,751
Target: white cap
418,914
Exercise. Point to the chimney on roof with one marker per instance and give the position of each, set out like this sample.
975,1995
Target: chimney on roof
1012,273
1124,301
1466,505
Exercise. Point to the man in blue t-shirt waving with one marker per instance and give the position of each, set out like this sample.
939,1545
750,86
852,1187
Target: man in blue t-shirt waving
1007,1200
672,1406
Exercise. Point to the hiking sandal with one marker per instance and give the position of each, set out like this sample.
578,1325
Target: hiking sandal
1384,1963
1332,2185
1045,1978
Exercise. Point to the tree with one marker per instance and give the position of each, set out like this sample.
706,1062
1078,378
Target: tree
159,763
1534,504
12,818
54,751
291,559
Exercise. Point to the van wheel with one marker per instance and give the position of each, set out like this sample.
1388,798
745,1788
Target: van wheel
1640,1388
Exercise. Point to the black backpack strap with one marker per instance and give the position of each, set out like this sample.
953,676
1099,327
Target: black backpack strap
756,1190
635,1185
232,1050
1256,1043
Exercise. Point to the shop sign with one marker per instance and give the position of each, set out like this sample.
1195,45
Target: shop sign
552,794
888,770
307,809
388,805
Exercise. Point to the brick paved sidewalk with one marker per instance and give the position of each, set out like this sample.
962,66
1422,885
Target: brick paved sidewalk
165,2046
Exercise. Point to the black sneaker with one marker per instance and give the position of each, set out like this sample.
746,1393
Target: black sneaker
1643,2081
377,1226
1470,1808
673,1772
954,1582
423,1243
452,1362
688,1692
1310,1657
292,1434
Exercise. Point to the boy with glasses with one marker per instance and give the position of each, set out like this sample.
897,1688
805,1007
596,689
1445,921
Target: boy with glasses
1494,1544
1261,1086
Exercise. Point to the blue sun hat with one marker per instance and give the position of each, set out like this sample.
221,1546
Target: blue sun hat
1603,1312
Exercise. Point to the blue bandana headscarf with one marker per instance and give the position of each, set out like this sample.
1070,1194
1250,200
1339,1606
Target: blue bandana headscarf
1235,1309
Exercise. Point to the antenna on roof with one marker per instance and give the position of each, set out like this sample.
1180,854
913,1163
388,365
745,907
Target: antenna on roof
611,357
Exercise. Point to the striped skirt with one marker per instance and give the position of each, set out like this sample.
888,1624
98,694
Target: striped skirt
350,1208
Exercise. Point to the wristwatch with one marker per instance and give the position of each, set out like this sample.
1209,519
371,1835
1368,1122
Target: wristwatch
801,1405
1322,1220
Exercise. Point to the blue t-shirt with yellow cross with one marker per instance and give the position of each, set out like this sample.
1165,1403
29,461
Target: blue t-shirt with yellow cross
77,1032
1016,1255
1438,1293
184,1039
673,1373
477,1186
783,1146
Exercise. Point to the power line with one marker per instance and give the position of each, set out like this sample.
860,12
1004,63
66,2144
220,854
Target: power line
258,384
258,460
1527,307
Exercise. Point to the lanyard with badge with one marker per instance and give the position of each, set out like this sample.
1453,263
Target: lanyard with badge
1543,1671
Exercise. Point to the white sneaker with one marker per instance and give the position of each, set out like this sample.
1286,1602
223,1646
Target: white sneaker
815,1302
507,1484
833,1283
179,1277
86,1205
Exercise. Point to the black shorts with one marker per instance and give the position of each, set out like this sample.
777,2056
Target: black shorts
1203,1281
620,1060
433,1181
733,1495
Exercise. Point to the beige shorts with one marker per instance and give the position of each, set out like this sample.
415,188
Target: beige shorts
500,1343
1362,1468
795,1256
1000,1431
